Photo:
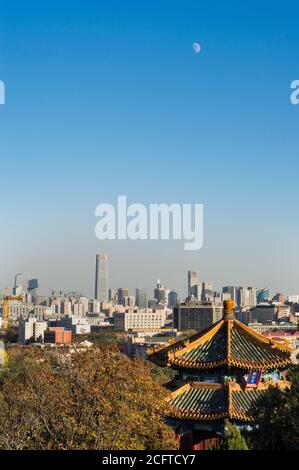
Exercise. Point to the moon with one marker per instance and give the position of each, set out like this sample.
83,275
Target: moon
196,47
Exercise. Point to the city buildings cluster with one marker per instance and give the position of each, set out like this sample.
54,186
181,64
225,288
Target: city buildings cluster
60,317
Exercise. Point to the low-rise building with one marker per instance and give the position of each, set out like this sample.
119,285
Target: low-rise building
265,314
140,319
76,324
58,335
31,329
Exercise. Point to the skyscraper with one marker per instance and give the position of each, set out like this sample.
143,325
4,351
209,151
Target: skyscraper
32,286
207,294
172,298
122,292
101,278
232,291
20,286
161,294
141,297
192,284
262,295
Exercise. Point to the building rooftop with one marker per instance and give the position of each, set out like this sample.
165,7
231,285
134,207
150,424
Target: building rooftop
212,402
229,343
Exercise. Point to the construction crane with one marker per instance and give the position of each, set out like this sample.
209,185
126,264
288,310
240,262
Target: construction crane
5,302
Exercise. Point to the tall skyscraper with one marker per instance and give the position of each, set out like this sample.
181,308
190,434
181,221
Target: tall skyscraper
20,286
32,286
161,294
207,294
172,298
141,297
101,278
122,292
111,294
192,284
232,291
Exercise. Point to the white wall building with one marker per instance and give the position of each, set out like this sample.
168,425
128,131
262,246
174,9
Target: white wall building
77,324
31,328
140,319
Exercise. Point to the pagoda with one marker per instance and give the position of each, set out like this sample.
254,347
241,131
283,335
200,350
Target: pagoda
222,372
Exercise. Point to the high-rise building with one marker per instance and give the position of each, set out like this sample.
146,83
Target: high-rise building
262,295
101,278
32,286
161,294
232,291
129,301
265,314
245,297
111,296
207,294
252,296
193,284
172,299
195,316
141,297
122,292
20,286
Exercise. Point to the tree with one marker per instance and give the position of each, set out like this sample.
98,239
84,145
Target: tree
277,417
96,399
233,438
11,335
162,375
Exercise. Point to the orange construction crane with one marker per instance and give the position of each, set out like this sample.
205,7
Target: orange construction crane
6,299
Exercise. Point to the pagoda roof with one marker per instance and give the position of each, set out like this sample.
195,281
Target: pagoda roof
225,343
202,401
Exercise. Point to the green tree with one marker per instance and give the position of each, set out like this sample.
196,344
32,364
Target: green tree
277,417
233,438
96,399
162,375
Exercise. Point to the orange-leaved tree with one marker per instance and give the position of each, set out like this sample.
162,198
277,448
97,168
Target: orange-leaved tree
93,399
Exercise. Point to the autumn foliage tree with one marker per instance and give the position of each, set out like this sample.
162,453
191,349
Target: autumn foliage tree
96,399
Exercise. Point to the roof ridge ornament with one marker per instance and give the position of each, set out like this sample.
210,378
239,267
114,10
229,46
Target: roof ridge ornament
228,310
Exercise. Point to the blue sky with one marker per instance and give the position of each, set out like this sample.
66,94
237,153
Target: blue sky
108,98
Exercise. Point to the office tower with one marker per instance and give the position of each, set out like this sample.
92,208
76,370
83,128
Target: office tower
161,294
141,297
232,291
265,314
243,299
111,295
262,295
122,292
195,316
66,307
207,294
172,298
101,278
95,306
33,286
192,284
252,296
129,301
20,286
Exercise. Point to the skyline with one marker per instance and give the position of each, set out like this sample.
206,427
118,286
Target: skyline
102,286
108,99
